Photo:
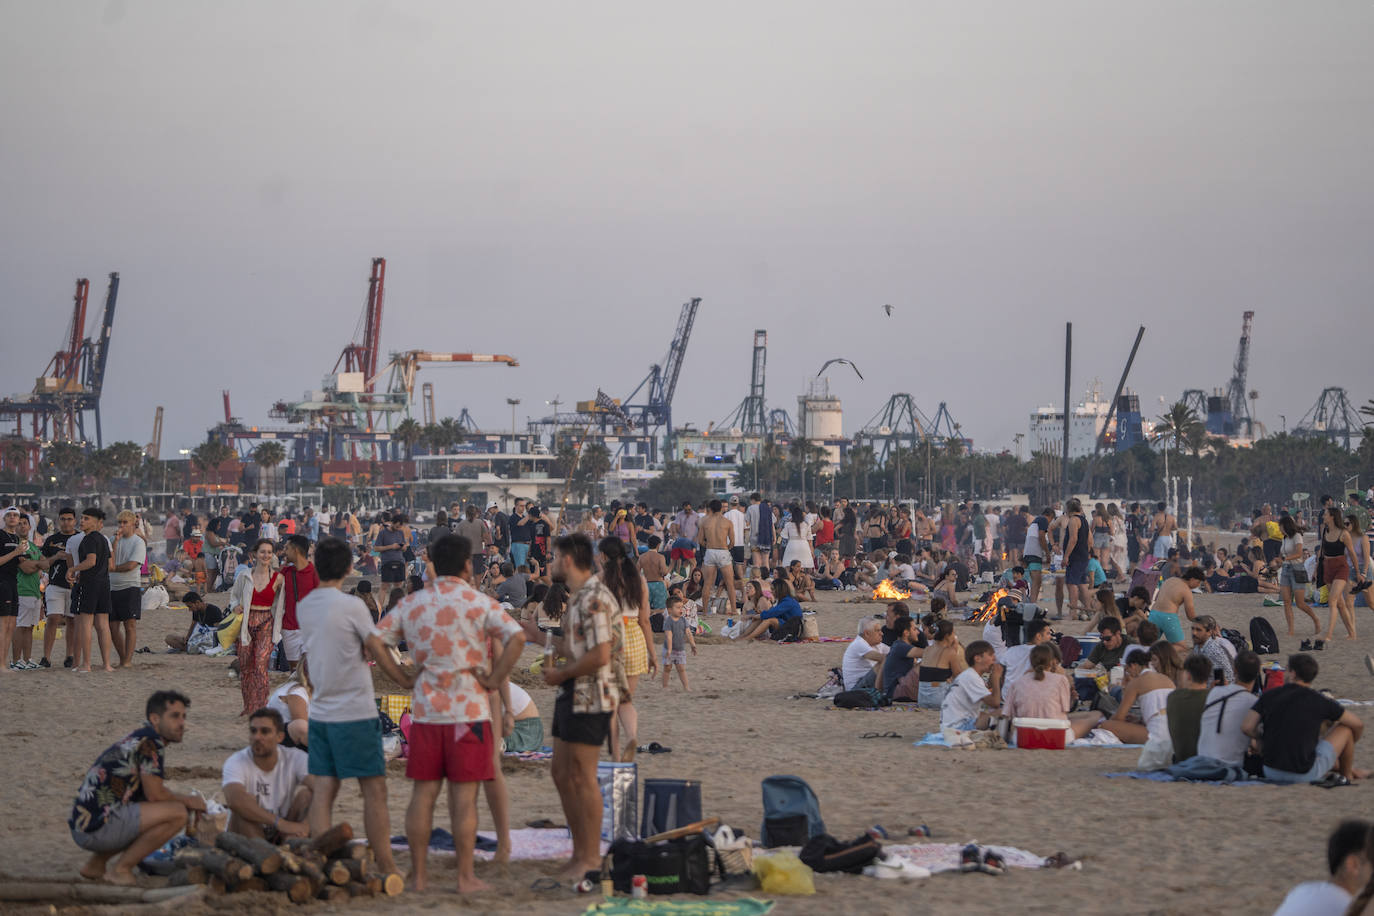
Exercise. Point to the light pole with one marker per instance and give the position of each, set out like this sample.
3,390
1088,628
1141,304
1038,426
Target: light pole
513,402
1284,421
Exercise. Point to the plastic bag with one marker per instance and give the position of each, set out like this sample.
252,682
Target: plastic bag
229,630
155,597
784,873
1157,754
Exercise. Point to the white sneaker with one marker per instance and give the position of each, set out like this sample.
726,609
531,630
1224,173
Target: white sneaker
28,664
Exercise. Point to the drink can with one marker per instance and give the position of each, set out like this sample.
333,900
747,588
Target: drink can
639,887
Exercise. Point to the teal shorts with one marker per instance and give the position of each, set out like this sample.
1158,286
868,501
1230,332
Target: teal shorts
1169,626
658,596
1033,564
347,750
527,736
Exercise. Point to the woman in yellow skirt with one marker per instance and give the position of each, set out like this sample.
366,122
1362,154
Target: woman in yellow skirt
620,574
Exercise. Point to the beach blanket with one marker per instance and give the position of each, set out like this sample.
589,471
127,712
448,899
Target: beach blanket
895,707
544,753
1166,776
525,843
745,906
939,857
937,739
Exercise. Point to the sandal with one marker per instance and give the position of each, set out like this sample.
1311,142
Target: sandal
656,748
1332,780
880,735
545,884
1319,645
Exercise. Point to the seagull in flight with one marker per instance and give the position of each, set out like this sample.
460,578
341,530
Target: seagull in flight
843,362
888,309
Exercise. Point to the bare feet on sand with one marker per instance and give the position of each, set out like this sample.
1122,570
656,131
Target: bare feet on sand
472,886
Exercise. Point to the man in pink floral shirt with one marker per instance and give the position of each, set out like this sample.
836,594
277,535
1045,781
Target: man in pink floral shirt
446,627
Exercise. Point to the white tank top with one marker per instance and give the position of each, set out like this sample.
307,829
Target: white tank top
1152,710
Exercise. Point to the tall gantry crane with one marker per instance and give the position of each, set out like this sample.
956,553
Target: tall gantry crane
71,384
751,416
657,410
1236,391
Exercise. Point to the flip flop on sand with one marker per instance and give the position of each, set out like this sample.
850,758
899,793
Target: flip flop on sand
880,735
1332,780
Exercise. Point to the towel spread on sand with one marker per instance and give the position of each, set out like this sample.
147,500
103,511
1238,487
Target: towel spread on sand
1166,776
745,906
525,842
544,753
939,857
937,739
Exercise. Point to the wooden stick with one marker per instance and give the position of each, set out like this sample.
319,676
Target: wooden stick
356,889
248,885
216,862
39,891
184,877
160,867
332,894
262,855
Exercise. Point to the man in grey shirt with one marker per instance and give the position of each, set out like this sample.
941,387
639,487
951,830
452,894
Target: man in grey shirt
478,535
126,598
515,590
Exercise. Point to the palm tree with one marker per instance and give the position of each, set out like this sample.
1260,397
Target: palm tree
268,455
595,464
102,465
127,458
66,460
408,433
860,461
17,461
1179,424
209,455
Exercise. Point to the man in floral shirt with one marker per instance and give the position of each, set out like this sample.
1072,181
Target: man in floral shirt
123,805
587,695
446,627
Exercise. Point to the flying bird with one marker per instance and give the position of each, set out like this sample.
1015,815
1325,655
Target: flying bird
843,362
888,309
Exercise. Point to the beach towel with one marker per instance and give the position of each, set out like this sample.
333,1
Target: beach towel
544,753
938,857
525,843
937,739
1166,776
745,906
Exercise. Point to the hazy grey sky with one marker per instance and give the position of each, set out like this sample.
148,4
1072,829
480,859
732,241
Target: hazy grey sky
553,180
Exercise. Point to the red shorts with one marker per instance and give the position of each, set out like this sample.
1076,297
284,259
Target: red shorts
458,753
682,554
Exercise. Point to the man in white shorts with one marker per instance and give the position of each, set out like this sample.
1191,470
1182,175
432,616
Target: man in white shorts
300,580
738,552
30,600
57,557
717,536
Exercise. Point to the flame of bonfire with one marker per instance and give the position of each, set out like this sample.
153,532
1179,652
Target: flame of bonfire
886,591
989,610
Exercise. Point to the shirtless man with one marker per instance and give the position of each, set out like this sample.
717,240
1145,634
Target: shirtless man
1165,526
1176,593
654,569
718,537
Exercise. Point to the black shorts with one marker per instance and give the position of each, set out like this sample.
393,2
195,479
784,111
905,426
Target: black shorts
90,599
1272,550
125,604
737,555
578,728
9,598
393,573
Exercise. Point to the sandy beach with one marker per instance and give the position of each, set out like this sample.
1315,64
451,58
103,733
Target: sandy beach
1146,847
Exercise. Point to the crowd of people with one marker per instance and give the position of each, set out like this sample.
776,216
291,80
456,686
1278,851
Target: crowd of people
599,592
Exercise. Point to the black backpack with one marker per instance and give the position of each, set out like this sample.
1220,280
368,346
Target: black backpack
862,698
1235,638
1262,637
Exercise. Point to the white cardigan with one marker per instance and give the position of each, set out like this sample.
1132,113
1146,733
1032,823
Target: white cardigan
241,597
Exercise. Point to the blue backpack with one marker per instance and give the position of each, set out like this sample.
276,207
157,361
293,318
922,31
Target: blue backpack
791,813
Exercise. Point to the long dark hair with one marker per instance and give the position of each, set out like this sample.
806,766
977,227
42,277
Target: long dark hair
621,574
798,515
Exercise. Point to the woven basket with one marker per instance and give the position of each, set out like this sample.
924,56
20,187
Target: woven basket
738,861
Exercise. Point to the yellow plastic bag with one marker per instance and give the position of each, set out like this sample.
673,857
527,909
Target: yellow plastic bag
228,632
1322,595
784,873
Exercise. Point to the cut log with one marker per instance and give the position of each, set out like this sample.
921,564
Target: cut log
159,866
393,885
248,885
216,862
357,851
356,889
332,894
184,877
359,869
216,884
289,860
262,855
335,838
296,888
337,873
307,865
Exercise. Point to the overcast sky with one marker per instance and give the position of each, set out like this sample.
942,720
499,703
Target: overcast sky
553,180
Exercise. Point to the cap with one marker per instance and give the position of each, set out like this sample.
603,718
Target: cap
734,500
9,509
196,533
493,506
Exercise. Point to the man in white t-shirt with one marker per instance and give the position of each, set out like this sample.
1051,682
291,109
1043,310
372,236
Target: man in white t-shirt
863,658
345,733
739,553
969,701
1016,659
266,786
1220,736
1350,872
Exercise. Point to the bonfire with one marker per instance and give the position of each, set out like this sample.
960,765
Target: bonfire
989,610
886,591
